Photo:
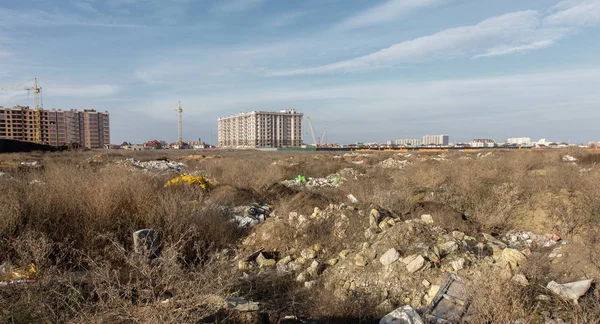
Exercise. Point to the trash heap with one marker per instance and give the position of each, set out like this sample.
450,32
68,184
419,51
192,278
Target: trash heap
156,165
333,180
410,262
569,158
248,216
190,180
11,275
392,163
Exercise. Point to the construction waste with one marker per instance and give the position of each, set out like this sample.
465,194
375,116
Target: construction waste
392,163
248,216
190,180
11,275
568,158
156,165
333,180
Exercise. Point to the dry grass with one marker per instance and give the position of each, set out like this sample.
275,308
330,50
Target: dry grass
76,227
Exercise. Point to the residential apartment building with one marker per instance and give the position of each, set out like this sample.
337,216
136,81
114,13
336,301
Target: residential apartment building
442,140
409,142
483,142
520,140
87,128
261,129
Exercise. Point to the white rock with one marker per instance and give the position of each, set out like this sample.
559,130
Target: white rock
352,199
458,264
415,265
427,219
402,315
389,257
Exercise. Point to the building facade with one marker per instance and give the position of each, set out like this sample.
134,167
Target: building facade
409,142
519,140
87,128
483,142
442,140
261,129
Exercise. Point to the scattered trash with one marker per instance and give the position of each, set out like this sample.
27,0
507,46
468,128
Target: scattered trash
571,290
518,239
10,275
333,180
403,315
356,155
201,181
481,155
159,165
37,182
450,303
240,304
33,164
391,163
146,242
568,158
252,215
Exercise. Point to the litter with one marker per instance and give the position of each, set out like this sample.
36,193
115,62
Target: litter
201,181
450,303
571,290
240,304
254,214
160,165
333,180
352,199
568,158
10,275
402,315
33,164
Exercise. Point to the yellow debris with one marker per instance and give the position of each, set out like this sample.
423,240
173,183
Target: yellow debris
183,179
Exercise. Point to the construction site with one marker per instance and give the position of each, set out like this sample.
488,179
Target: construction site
87,128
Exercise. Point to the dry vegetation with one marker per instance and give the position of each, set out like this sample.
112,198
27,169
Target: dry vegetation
73,219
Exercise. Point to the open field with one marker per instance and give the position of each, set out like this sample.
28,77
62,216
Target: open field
325,258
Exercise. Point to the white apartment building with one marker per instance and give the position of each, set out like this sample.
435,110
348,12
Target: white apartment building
436,140
261,129
520,140
409,142
483,142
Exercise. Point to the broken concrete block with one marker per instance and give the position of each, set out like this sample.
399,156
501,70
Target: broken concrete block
520,280
352,199
458,264
310,284
493,240
571,290
389,257
426,283
308,254
241,304
415,265
427,219
513,257
146,242
402,315
285,260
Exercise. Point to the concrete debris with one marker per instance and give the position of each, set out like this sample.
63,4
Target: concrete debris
572,290
458,264
450,302
513,257
481,155
36,182
568,158
333,180
248,216
392,163
556,253
519,239
493,240
146,242
520,280
157,165
389,257
240,304
308,254
352,199
403,315
353,154
427,219
416,264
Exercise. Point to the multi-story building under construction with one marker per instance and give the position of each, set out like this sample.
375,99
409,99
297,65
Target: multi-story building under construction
87,128
261,129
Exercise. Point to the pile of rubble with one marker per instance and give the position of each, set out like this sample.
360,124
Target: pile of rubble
392,163
399,262
569,158
156,165
248,216
333,180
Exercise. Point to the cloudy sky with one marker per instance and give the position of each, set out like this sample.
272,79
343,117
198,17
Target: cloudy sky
366,70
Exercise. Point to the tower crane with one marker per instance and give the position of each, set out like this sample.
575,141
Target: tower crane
179,125
323,137
36,102
312,131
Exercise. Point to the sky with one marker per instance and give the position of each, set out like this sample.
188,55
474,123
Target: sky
368,71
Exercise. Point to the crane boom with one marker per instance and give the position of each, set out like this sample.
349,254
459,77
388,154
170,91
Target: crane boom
36,102
312,131
179,125
323,136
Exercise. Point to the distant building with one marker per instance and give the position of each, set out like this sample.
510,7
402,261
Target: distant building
409,142
519,140
87,128
261,129
442,140
483,142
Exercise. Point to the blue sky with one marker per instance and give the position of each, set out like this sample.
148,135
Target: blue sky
366,70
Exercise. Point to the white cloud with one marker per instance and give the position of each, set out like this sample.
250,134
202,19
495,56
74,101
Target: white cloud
513,30
386,12
231,6
505,50
575,12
